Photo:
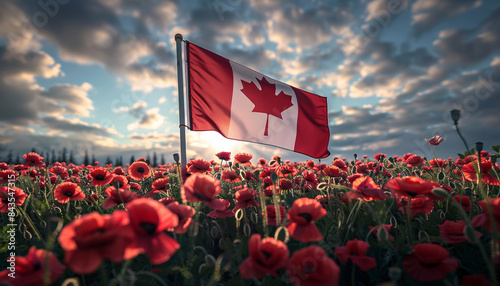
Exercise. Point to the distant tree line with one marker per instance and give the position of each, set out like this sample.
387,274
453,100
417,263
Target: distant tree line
50,157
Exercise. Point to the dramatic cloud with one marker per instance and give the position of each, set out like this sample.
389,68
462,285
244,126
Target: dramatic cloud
428,13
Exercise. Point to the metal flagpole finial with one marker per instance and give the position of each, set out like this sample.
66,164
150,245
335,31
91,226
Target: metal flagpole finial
178,36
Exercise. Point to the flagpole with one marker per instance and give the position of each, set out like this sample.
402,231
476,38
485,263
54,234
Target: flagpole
182,118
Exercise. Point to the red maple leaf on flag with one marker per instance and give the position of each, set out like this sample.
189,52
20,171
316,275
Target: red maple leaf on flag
265,99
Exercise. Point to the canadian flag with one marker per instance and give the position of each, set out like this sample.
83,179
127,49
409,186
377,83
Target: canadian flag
243,104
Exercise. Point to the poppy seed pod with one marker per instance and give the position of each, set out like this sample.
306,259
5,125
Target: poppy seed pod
455,115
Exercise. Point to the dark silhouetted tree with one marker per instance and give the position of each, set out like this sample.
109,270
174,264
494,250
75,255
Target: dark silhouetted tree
64,158
108,160
93,159
155,159
53,158
132,159
162,160
71,157
9,158
86,158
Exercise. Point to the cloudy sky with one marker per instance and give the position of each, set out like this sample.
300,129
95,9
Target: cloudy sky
100,75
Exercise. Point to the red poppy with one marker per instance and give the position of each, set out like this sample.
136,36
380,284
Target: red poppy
453,232
288,169
409,187
271,214
340,164
362,168
475,280
355,250
100,176
436,140
117,196
149,219
379,157
68,191
266,256
245,198
120,182
4,166
184,214
59,171
367,189
139,170
414,161
166,201
438,163
160,185
464,201
429,262
250,176
32,268
418,205
311,266
230,176
484,218
375,230
118,171
353,177
91,239
93,198
226,156
285,184
486,165
261,163
333,171
310,181
301,216
202,188
8,175
198,166
222,213
10,196
33,160
242,158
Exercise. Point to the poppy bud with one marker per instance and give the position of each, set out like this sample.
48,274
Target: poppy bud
440,192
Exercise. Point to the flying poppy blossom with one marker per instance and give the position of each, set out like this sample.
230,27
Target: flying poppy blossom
409,187
100,176
7,194
242,158
33,160
453,232
429,262
149,219
185,214
139,170
202,188
266,256
355,251
311,266
245,198
484,218
68,191
301,216
224,212
32,268
486,165
272,218
91,239
117,196
367,189
226,156
436,140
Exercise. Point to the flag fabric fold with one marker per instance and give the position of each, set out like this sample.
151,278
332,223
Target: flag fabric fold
245,105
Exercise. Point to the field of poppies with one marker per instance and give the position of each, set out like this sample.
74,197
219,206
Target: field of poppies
236,220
